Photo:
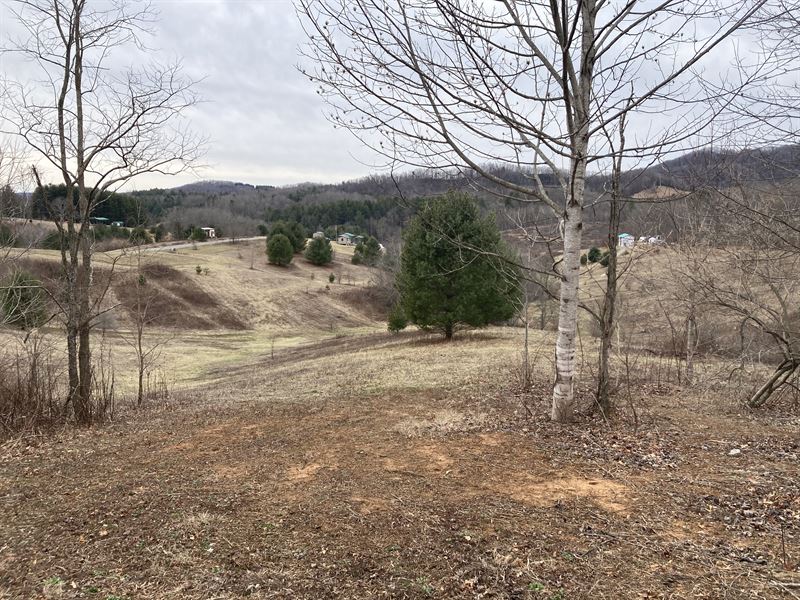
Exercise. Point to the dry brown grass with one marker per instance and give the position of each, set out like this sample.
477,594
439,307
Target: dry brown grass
357,464
400,466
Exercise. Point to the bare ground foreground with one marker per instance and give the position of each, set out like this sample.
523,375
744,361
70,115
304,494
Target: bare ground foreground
399,467
313,455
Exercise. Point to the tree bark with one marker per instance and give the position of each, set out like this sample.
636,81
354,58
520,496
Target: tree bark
564,387
691,344
608,311
776,380
578,110
84,237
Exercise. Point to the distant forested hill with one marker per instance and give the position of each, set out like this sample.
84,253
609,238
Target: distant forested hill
378,205
381,204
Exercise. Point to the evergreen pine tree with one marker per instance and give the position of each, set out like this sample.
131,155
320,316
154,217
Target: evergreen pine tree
453,272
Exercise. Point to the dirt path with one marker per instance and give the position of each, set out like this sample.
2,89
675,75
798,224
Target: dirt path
423,492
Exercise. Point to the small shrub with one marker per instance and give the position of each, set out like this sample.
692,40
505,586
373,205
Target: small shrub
31,387
198,269
397,319
140,235
594,255
332,277
604,259
279,250
158,232
584,259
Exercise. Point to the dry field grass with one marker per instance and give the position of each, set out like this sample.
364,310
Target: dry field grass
219,317
352,463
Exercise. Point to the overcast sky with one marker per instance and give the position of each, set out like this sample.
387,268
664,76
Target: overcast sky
264,120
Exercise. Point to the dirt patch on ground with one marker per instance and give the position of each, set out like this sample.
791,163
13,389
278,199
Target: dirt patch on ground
440,423
608,495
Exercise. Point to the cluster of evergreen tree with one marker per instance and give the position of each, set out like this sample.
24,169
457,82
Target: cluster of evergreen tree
367,252
285,239
355,216
113,206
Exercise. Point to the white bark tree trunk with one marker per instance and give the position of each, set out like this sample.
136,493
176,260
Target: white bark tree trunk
566,344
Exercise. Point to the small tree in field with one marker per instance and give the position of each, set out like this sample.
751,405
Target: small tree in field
397,319
319,251
279,250
367,253
453,271
595,254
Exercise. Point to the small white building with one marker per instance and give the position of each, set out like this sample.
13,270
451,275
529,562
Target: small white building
209,231
625,240
346,239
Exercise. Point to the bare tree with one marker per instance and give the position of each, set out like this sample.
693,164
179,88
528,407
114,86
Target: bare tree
98,128
144,312
527,84
750,271
608,308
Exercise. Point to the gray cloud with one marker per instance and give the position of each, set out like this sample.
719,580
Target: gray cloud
264,120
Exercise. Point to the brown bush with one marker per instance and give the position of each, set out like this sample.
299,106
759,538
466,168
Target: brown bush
31,388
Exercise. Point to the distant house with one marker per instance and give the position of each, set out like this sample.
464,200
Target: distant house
209,231
656,240
626,240
345,239
358,239
318,235
98,220
117,224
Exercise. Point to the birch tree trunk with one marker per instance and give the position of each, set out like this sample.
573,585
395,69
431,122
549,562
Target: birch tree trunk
566,344
578,103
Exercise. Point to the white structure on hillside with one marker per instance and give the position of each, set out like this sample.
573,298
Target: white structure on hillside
625,240
209,231
345,239
349,239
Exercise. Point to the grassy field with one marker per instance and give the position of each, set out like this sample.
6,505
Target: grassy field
346,462
248,308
